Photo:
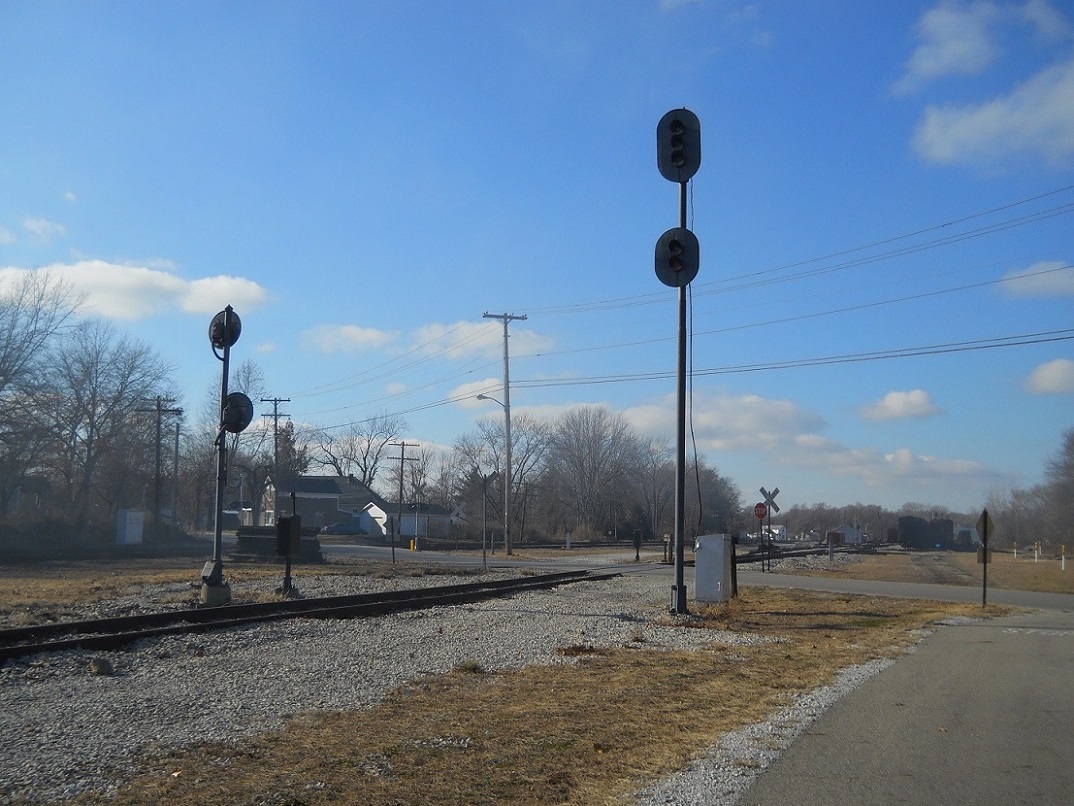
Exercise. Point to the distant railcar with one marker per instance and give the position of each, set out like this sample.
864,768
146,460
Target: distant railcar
914,532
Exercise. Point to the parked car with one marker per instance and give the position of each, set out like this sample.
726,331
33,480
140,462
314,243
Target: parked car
342,528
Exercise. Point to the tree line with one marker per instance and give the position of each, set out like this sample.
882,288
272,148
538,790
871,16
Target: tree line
88,426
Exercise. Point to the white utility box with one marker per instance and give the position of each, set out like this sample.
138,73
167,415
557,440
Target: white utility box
712,568
129,524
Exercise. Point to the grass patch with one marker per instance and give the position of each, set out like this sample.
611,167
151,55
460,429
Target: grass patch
956,568
586,732
32,593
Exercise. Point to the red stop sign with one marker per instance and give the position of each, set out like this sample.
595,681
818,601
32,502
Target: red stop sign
759,511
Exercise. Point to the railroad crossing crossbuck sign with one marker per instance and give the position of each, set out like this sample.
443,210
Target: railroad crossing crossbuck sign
770,498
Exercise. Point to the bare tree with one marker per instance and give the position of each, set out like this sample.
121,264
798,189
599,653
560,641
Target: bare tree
1059,476
713,503
591,451
654,482
1020,516
98,380
34,309
361,449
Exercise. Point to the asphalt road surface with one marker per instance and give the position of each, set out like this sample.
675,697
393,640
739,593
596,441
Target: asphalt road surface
982,713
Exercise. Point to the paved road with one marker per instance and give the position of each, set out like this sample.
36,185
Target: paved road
982,713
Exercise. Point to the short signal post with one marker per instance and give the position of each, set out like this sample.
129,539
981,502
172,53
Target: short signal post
236,412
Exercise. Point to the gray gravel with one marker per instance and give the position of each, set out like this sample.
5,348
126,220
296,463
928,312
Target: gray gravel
70,721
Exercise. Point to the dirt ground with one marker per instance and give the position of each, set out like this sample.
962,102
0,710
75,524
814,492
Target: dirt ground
587,733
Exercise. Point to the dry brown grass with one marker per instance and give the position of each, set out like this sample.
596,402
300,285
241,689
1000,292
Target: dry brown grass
35,592
958,568
586,733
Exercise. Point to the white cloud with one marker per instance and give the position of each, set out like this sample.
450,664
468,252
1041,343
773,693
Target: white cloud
6,236
672,5
395,388
266,347
1036,118
731,422
916,403
44,230
953,38
1047,21
466,394
129,292
70,196
790,443
211,294
1052,378
345,338
1045,279
465,339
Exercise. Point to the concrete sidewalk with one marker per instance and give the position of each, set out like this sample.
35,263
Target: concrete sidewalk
982,713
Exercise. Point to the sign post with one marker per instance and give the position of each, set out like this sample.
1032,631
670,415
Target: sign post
771,506
759,512
984,529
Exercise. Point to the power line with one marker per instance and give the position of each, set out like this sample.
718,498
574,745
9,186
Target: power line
848,358
819,314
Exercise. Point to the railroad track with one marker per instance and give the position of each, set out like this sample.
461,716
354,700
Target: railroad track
115,633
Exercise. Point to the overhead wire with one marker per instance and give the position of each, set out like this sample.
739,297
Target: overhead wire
705,289
744,281
848,358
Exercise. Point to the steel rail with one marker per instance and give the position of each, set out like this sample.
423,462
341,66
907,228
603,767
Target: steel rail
114,633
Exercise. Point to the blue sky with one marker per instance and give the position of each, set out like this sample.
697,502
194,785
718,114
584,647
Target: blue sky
363,181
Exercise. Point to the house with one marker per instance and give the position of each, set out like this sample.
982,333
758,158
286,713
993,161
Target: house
847,535
423,520
324,500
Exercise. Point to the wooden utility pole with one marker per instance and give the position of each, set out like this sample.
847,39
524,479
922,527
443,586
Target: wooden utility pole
506,318
403,458
276,415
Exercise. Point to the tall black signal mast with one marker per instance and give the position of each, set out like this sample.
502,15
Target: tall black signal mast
678,156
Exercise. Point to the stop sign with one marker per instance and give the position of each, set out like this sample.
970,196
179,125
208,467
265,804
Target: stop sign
759,511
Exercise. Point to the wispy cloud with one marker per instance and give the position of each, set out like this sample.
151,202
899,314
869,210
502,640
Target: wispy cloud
792,437
957,38
914,404
1045,279
467,339
1052,378
466,394
953,38
1035,119
672,5
44,230
345,338
724,422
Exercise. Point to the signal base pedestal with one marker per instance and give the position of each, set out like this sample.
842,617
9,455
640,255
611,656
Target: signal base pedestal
215,595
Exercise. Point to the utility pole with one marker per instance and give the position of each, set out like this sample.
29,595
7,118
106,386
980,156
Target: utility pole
160,411
403,458
276,415
506,318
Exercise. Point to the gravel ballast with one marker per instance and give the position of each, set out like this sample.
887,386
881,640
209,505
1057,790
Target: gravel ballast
70,720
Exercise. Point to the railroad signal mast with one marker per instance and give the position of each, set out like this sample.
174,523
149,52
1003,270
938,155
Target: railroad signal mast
678,258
